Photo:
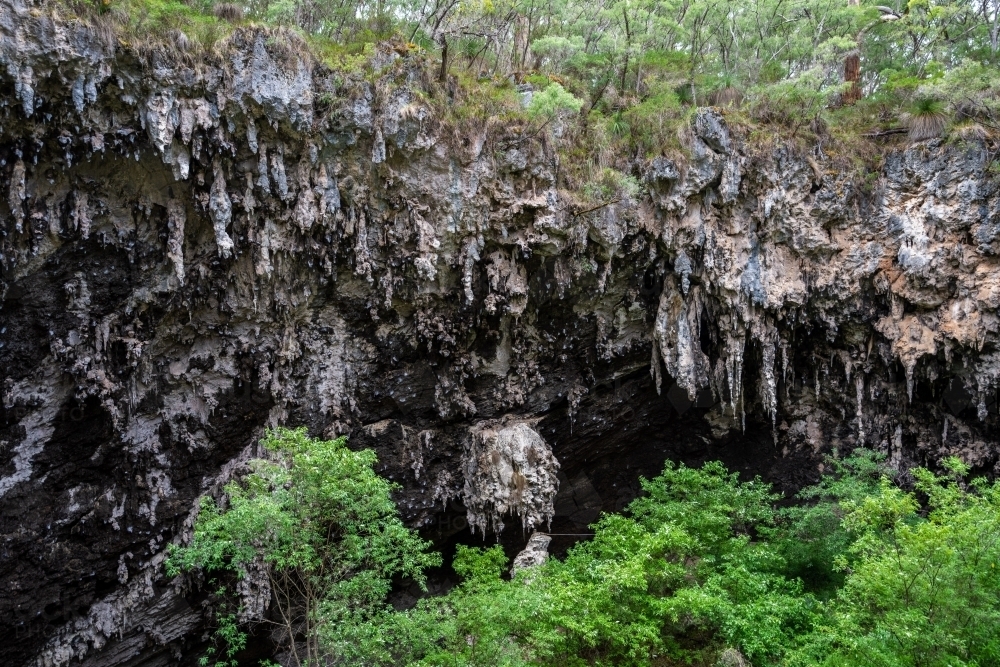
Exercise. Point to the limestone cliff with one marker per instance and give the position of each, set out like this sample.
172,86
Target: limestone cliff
191,251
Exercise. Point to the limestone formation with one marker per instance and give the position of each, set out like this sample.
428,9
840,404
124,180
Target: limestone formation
535,553
509,470
191,254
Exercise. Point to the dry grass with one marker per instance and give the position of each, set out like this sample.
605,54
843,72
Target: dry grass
105,29
726,97
181,41
926,127
970,131
228,11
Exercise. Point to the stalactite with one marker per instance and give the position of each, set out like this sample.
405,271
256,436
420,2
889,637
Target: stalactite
176,219
220,208
765,333
784,366
654,368
677,330
909,365
17,194
263,182
735,342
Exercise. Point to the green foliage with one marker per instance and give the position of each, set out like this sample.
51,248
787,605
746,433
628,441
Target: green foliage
555,50
705,568
924,585
677,578
482,102
795,101
146,25
653,124
618,126
811,535
702,569
610,185
228,640
971,88
553,101
322,525
479,565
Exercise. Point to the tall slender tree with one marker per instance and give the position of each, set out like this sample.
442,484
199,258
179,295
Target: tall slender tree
852,69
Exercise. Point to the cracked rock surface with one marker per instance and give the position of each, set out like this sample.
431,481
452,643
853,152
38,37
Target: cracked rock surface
188,255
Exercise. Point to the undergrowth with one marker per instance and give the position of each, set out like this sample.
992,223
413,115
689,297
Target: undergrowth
604,115
703,569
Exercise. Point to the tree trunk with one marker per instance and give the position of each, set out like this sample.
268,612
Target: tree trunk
852,75
443,74
628,49
522,26
852,69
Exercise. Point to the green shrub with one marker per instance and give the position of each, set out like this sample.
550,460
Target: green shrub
923,584
555,50
706,569
653,124
677,578
811,535
702,569
320,524
610,185
553,101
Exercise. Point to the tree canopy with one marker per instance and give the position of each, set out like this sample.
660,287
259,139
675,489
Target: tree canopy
613,82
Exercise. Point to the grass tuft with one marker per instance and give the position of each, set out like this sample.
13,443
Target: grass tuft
927,119
726,97
228,11
181,41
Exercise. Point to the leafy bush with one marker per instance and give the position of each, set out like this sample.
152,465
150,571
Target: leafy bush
702,569
555,50
320,525
678,578
653,124
553,101
706,569
811,535
923,587
610,186
795,101
971,92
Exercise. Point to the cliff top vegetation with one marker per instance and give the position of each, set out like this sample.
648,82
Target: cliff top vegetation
621,78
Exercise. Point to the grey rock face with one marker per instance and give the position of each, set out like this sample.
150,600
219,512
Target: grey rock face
509,470
220,208
535,553
190,256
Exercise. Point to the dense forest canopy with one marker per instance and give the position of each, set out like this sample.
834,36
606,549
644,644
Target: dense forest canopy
628,42
830,73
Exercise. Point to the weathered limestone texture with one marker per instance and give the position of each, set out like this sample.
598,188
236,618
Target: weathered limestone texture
190,254
535,553
509,470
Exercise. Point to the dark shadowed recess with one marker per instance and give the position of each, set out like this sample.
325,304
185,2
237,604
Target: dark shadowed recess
54,565
621,431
